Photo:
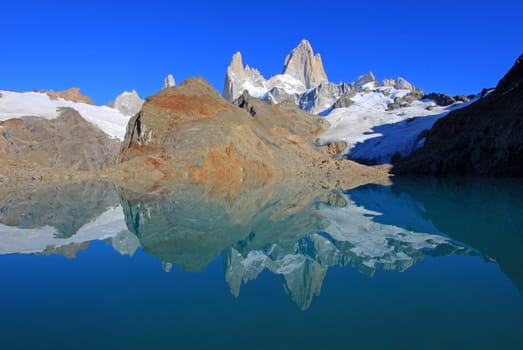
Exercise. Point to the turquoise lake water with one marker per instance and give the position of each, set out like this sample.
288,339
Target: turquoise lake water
421,264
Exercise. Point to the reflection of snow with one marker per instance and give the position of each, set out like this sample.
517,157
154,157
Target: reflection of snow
17,240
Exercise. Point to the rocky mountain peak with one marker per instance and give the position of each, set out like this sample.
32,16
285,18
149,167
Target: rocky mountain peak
302,64
72,94
236,65
398,83
512,79
169,81
366,80
128,103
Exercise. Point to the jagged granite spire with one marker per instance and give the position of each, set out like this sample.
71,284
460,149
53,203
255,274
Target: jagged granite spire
239,78
302,64
169,81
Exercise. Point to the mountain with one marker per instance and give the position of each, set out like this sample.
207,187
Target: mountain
484,138
303,65
39,104
302,70
128,103
377,121
66,142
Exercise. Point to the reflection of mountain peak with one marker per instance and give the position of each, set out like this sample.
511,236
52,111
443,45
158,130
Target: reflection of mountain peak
353,238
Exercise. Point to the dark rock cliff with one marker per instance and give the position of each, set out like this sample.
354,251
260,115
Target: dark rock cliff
484,138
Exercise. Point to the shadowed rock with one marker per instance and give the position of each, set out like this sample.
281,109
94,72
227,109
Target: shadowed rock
484,138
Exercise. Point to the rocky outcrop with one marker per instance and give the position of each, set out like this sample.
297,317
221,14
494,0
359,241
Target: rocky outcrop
398,83
345,100
484,138
128,102
302,64
334,148
321,98
169,82
366,81
67,142
190,132
405,101
244,102
440,99
73,94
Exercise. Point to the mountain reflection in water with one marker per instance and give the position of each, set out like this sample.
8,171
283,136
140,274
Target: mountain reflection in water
279,228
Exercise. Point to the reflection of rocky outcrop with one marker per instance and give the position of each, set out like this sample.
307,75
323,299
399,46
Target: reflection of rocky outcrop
484,214
66,208
191,226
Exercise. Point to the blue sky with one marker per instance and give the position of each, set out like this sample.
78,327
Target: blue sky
105,47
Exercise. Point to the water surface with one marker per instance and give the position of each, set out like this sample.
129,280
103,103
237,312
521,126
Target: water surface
422,264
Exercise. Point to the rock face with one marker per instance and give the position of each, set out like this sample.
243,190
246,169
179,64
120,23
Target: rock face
302,64
129,103
440,99
73,94
67,142
345,100
484,138
169,82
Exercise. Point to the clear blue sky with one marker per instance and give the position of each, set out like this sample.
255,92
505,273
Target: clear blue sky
105,47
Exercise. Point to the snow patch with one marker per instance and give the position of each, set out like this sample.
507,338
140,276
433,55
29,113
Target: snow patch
24,104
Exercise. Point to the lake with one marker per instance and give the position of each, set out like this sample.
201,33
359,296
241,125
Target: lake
420,264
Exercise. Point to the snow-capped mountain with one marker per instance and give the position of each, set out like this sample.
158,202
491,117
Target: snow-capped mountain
39,104
374,132
239,78
377,120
